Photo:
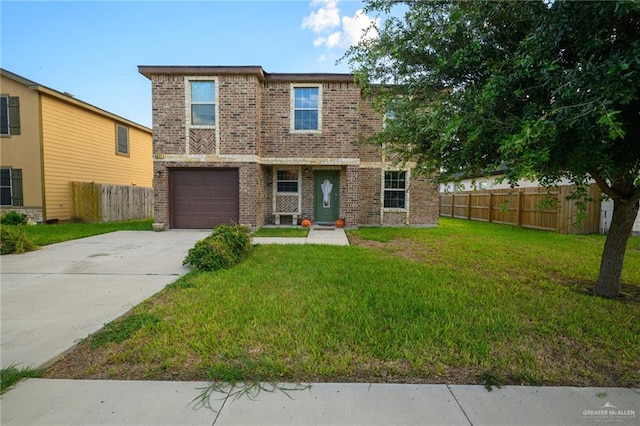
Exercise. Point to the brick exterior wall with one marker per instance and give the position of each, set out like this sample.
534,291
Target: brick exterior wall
369,196
254,135
238,98
370,124
425,202
338,137
167,100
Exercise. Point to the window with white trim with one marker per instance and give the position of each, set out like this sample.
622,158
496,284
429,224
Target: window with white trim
287,181
395,189
122,139
306,105
202,102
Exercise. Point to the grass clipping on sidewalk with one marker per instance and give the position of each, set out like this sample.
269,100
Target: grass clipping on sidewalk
463,303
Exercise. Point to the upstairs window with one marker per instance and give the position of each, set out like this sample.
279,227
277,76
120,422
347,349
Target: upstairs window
306,108
9,115
122,140
203,103
389,116
4,115
395,190
287,181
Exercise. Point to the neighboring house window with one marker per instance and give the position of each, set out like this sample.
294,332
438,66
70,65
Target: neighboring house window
395,190
122,139
203,103
287,181
307,112
4,117
11,187
9,115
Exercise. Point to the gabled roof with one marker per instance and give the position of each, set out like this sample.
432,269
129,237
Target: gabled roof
256,70
69,98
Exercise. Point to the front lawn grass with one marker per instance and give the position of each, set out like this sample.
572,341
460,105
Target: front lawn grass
42,234
466,302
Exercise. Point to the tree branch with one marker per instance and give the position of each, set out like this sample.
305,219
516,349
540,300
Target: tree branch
604,186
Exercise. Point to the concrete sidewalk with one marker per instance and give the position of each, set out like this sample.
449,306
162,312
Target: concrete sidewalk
86,402
64,292
317,235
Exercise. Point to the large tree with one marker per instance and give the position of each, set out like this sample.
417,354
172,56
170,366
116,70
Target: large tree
545,89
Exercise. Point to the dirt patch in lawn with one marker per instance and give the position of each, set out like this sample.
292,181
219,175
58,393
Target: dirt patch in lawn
629,293
405,248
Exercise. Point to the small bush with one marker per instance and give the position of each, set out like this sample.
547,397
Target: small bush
223,248
13,218
15,240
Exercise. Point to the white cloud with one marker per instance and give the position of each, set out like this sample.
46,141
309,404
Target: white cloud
325,18
356,28
336,31
334,39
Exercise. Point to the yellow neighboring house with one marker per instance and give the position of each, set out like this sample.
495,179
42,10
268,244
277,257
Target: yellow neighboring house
49,139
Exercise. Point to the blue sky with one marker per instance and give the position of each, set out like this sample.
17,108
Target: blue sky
92,49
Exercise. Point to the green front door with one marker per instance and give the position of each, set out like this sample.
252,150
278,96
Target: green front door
326,195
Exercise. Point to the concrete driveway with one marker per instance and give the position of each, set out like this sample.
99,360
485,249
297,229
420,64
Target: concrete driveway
52,297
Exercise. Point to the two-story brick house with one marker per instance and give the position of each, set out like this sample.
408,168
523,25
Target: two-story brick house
237,144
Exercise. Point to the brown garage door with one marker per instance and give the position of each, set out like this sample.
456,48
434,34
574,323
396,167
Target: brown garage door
204,198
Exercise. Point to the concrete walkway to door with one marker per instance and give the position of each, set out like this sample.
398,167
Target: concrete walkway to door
317,235
61,293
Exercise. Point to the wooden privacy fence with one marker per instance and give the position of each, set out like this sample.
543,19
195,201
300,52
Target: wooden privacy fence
537,208
101,202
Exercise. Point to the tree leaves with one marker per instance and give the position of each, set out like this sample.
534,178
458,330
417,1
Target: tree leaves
550,88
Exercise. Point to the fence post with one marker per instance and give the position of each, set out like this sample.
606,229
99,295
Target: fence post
490,206
519,211
469,206
453,203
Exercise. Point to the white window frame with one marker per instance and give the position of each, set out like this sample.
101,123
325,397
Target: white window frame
292,111
297,180
276,194
405,190
118,152
187,91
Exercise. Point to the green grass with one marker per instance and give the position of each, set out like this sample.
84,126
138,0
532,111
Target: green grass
121,329
281,232
11,375
43,234
463,303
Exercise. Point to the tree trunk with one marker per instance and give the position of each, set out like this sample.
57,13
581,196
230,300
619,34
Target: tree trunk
608,283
